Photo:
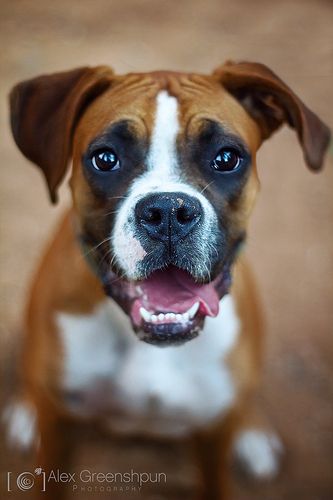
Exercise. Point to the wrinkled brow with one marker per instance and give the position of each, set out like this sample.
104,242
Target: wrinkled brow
123,130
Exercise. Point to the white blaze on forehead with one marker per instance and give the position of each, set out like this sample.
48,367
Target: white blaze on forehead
162,153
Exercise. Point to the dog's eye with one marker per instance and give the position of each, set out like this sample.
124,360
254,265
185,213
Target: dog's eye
105,160
227,160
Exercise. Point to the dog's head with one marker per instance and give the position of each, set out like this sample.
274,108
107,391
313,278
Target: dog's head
164,176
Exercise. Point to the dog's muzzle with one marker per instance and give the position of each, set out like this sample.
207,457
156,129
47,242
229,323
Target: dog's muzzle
172,290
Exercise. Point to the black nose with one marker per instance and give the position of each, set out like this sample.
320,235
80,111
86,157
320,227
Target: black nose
168,217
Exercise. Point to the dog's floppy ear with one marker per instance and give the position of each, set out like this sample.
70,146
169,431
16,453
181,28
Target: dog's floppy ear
44,112
271,102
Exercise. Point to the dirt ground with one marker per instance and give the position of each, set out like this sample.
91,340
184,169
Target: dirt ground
290,242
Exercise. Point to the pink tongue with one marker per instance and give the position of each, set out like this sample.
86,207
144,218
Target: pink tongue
173,290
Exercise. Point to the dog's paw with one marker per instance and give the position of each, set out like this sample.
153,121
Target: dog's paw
258,453
20,420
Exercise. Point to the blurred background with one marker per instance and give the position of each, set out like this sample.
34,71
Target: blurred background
290,238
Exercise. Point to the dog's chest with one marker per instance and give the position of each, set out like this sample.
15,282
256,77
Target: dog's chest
135,386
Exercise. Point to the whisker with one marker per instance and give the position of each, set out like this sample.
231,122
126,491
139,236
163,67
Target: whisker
206,187
117,198
109,213
104,257
96,246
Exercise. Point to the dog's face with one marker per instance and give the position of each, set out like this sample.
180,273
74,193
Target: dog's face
164,180
163,185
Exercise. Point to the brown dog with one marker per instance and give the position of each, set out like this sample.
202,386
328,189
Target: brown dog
143,316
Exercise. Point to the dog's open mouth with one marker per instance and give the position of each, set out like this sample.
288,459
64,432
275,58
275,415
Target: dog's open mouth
169,306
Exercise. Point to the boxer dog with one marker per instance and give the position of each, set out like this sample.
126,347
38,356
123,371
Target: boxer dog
143,316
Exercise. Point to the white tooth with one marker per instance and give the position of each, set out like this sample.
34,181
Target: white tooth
145,314
154,318
168,316
172,316
179,317
185,316
193,310
161,316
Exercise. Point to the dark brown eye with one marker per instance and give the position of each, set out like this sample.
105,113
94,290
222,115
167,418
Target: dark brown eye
227,160
105,160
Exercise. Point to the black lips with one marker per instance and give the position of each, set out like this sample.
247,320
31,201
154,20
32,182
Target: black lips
170,333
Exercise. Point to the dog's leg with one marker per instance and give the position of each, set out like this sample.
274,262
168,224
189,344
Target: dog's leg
55,450
213,452
256,447
35,426
20,423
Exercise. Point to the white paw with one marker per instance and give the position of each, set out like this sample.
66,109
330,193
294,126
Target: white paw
20,420
259,452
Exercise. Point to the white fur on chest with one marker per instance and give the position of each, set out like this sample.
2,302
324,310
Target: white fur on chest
188,385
